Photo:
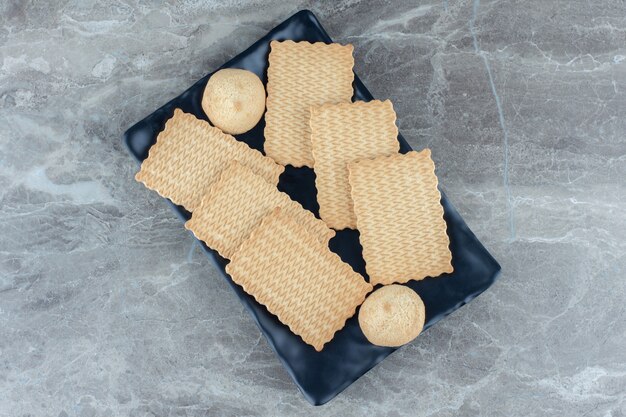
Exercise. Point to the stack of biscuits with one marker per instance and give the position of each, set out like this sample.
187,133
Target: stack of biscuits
279,251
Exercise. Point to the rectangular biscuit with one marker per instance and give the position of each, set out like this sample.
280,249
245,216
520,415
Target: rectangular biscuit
236,204
297,278
400,217
189,156
301,75
343,133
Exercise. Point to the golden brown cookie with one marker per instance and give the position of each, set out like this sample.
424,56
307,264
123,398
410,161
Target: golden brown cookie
392,316
308,287
234,100
301,75
400,217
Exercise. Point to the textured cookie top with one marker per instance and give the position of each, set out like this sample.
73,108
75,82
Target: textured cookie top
301,75
189,156
298,279
236,204
343,133
392,315
400,217
234,100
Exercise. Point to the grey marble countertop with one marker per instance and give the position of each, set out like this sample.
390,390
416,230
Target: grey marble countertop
107,307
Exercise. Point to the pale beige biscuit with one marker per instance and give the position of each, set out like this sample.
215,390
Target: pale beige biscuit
343,133
392,316
234,100
298,279
237,203
301,75
189,156
400,217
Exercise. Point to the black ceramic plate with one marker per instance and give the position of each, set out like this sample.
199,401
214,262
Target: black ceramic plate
322,375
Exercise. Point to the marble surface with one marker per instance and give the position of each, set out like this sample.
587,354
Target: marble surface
107,307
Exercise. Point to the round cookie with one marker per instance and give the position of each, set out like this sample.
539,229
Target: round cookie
234,100
392,316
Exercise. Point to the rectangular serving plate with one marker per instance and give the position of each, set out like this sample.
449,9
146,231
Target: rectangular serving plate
320,376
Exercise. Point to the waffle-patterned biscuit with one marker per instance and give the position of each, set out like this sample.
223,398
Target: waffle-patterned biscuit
237,203
189,156
343,133
298,279
400,218
301,75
